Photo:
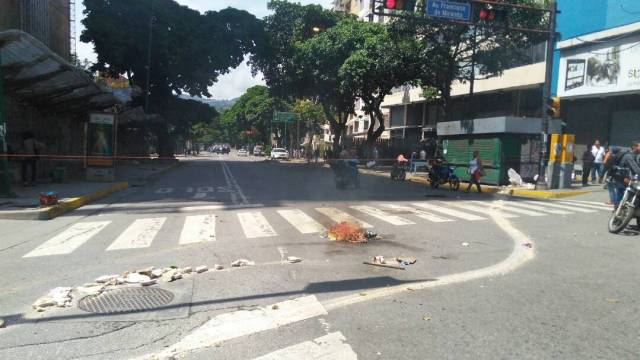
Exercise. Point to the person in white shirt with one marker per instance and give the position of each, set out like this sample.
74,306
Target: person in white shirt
597,172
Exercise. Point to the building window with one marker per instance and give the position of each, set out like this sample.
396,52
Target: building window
397,116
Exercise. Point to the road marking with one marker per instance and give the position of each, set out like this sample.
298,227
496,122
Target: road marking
244,322
301,221
331,346
539,208
233,184
563,207
588,206
198,228
255,225
502,205
339,216
448,211
380,214
164,191
189,189
609,207
419,213
200,195
138,235
69,240
205,189
481,209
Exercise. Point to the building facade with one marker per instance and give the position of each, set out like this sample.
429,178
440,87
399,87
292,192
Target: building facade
597,70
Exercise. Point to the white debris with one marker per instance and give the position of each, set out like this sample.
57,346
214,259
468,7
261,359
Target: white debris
465,244
169,275
242,262
186,270
106,278
135,278
149,282
293,259
156,273
60,297
146,271
87,290
2,324
514,178
218,267
201,269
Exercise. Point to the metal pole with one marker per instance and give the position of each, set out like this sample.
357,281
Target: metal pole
546,95
5,174
473,74
149,43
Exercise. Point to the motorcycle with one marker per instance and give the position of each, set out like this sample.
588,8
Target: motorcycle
440,174
345,174
628,208
399,172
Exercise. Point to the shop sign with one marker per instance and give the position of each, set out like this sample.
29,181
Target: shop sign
603,68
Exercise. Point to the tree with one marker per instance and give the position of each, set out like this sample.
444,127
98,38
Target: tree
446,49
189,50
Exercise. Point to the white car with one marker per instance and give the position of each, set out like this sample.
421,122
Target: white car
243,152
279,153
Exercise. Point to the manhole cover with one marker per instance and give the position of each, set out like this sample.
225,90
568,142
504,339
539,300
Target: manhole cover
126,300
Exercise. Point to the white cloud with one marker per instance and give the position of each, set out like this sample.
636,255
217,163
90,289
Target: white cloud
230,85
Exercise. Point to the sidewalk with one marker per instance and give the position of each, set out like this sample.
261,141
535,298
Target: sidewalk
76,193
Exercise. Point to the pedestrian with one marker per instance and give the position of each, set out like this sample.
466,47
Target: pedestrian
625,165
475,171
31,149
587,164
316,154
598,152
412,162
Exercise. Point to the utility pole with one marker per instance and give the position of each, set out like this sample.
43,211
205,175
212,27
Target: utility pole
546,95
5,174
149,44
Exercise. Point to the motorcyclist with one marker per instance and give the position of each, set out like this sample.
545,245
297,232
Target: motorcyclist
624,161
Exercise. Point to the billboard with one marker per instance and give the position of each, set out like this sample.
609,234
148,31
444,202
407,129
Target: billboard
602,68
101,140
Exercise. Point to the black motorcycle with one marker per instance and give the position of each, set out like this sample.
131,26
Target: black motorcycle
628,208
399,172
346,173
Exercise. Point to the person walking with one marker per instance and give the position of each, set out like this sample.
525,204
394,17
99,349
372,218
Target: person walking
598,152
587,164
316,154
475,171
31,149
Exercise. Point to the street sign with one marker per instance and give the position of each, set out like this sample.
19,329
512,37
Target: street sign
459,11
284,117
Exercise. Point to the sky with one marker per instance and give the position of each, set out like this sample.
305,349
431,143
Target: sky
230,85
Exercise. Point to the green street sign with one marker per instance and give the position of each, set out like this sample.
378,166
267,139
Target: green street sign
284,117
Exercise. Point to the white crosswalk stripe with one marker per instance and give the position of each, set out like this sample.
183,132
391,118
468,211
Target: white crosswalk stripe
301,221
255,225
539,208
503,205
563,207
380,214
339,216
69,240
448,211
138,235
588,206
419,213
198,229
481,209
330,346
588,203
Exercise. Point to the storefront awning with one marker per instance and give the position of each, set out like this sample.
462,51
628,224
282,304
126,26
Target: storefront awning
35,74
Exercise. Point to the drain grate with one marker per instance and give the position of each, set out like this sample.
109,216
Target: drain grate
126,300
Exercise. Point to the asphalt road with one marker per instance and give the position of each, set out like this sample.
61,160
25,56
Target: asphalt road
494,279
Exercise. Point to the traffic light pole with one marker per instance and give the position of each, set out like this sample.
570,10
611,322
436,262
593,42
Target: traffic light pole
546,95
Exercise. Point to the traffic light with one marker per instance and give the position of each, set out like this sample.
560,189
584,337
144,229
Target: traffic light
553,107
490,13
405,5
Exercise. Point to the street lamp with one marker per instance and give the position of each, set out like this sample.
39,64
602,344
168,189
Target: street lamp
316,29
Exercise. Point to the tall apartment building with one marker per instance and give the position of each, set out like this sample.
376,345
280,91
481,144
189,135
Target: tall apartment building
46,20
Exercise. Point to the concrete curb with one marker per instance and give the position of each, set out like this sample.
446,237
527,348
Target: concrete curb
543,194
64,206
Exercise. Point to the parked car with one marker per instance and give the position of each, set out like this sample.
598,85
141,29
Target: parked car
243,152
279,153
257,150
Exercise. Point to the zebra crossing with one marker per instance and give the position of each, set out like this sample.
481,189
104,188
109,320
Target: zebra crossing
258,223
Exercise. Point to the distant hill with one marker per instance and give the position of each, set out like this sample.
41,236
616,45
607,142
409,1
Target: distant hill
220,105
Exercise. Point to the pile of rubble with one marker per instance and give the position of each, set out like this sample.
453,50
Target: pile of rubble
62,297
395,263
349,232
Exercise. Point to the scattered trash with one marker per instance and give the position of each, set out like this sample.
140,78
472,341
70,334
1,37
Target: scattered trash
146,271
371,164
187,270
275,307
612,301
3,324
426,318
378,259
218,267
49,198
363,294
514,178
528,245
348,232
170,275
293,259
106,278
242,262
411,289
60,297
465,244
156,273
173,267
135,278
370,235
395,263
201,269
149,282
406,261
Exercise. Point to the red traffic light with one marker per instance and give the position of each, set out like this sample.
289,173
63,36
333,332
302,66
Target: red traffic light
390,4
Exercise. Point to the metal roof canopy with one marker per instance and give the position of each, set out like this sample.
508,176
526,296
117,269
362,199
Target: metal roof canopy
34,73
498,125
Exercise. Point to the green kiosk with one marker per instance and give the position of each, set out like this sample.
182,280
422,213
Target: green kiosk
503,142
